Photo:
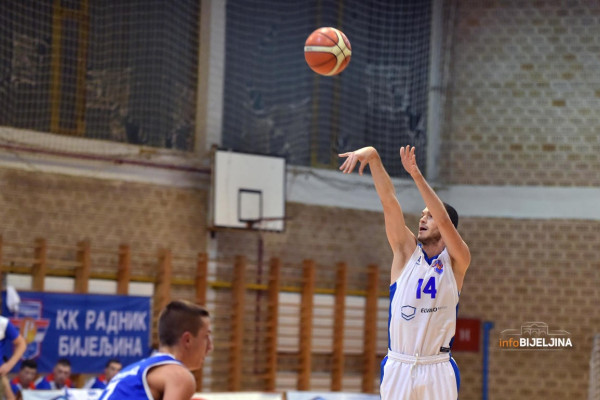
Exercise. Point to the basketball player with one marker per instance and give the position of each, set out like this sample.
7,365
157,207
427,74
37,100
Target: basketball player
426,278
59,378
112,368
185,339
25,379
12,345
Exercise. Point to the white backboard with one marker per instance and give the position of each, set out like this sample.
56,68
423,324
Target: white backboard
248,191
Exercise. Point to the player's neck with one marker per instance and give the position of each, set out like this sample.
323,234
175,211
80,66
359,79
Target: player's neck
172,351
433,249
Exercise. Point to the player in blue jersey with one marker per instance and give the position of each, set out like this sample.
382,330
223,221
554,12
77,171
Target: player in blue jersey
25,379
427,275
59,378
184,336
112,368
12,345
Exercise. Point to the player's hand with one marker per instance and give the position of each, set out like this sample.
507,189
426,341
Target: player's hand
361,155
409,160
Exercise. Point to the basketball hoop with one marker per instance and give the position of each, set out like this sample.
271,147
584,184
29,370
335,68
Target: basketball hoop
248,192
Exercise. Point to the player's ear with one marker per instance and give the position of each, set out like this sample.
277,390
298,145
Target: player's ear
186,338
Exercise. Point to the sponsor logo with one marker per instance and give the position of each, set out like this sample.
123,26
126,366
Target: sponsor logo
408,312
432,310
535,336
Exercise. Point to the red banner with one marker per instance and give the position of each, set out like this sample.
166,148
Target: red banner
467,335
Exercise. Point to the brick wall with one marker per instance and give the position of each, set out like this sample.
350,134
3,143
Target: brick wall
529,270
66,209
523,93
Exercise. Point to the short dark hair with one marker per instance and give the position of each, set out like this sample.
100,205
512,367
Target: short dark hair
179,316
29,364
113,360
63,361
452,214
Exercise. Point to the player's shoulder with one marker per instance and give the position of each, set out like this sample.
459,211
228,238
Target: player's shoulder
182,380
406,247
173,370
175,376
410,253
180,371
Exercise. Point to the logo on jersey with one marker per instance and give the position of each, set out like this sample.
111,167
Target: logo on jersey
433,309
408,312
439,267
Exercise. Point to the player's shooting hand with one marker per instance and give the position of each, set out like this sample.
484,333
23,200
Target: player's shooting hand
361,155
409,160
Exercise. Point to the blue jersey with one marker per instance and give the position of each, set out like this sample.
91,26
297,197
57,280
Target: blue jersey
131,382
8,334
98,382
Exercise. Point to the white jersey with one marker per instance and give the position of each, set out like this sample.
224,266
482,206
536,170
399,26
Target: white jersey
423,306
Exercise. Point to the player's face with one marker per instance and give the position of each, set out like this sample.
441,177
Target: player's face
61,374
112,369
26,376
428,230
201,345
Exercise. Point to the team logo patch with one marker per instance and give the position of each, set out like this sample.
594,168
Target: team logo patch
438,265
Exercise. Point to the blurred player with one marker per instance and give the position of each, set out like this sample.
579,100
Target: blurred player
59,378
427,275
184,335
10,337
25,378
112,367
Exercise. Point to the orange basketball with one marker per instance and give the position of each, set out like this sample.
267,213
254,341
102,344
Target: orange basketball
327,51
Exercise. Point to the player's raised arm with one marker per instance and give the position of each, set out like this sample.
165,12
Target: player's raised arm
19,346
457,248
401,239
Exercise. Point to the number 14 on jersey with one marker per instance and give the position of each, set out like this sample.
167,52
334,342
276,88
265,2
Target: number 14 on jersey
428,289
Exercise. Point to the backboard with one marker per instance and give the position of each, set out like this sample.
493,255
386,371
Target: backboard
248,191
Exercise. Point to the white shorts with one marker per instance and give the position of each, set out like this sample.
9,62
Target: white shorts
405,377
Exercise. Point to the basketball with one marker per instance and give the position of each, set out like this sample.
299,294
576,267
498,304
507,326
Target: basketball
327,51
